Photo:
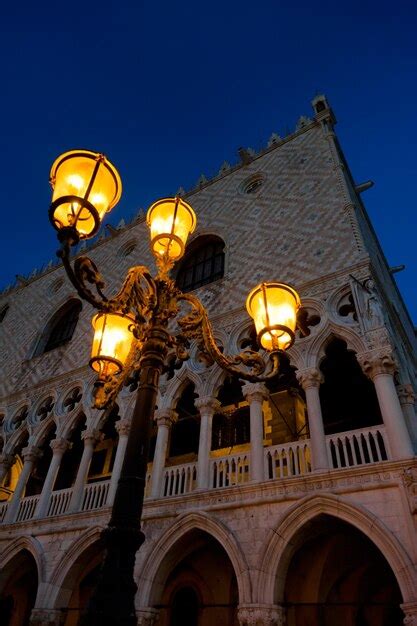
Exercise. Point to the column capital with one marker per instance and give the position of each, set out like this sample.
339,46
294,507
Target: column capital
123,426
261,615
7,460
147,616
207,404
406,394
166,417
60,445
377,362
91,436
310,377
31,453
410,612
255,391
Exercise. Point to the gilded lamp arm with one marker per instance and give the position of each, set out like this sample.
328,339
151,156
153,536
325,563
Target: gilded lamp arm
196,325
138,292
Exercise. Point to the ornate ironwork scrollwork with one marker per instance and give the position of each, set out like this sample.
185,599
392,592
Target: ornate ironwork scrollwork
196,325
155,302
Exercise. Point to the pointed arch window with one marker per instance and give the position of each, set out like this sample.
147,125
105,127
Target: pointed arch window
203,263
61,328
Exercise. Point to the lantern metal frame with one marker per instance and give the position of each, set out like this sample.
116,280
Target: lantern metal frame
154,302
83,201
270,327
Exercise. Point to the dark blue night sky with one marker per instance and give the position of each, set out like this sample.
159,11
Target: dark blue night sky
169,90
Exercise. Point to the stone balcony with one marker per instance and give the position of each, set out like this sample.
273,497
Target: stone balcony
285,462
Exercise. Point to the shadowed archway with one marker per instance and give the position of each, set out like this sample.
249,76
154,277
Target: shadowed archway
338,576
18,589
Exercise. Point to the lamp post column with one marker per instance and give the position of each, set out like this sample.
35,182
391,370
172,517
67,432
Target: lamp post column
255,393
165,418
310,379
207,407
113,601
123,428
407,400
90,438
380,366
59,446
6,462
30,454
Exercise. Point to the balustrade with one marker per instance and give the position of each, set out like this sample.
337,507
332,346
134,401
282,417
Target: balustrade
95,496
59,502
179,479
229,470
348,449
3,509
357,447
290,459
27,508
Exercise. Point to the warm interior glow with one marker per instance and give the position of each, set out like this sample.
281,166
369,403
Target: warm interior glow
171,220
71,175
272,304
112,341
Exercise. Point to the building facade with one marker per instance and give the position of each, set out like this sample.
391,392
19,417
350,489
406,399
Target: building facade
289,502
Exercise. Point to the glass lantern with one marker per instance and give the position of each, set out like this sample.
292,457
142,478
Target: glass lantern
113,339
273,307
171,220
85,187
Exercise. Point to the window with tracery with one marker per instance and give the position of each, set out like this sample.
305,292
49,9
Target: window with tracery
203,263
61,328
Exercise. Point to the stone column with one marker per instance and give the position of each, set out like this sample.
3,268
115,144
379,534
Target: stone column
147,616
410,612
380,366
30,455
255,393
261,615
59,446
407,400
90,438
123,428
165,418
207,407
6,462
310,379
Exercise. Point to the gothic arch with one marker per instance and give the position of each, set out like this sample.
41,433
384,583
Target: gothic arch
238,332
185,523
215,381
31,545
16,438
296,356
42,429
57,594
176,386
316,350
281,545
69,426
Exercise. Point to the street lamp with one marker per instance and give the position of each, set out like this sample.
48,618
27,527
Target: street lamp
131,333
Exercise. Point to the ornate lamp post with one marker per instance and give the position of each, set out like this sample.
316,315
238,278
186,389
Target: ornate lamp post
131,332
